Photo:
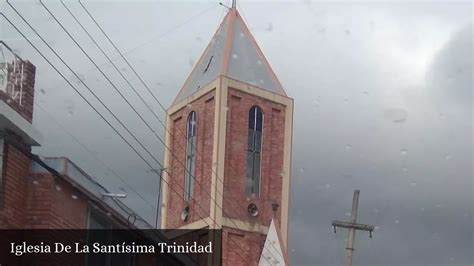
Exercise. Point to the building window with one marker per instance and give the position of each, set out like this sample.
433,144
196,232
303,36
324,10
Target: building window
254,151
190,156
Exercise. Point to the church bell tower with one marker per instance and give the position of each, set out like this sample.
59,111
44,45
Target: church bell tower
230,134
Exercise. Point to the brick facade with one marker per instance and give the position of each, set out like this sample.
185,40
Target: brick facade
237,243
200,202
241,248
13,190
236,201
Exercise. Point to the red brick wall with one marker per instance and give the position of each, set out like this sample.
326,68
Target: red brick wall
54,204
240,247
236,201
200,203
13,188
38,201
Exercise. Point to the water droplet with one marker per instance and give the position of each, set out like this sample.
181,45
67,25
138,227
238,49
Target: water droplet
235,56
259,62
327,186
403,152
396,115
269,28
74,197
69,107
109,214
397,221
57,187
377,228
348,147
42,91
348,214
365,92
35,182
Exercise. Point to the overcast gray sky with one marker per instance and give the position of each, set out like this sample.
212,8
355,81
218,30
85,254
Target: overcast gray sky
383,103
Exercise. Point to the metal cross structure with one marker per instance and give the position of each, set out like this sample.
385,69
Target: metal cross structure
353,226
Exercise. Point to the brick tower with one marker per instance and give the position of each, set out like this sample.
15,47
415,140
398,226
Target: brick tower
229,131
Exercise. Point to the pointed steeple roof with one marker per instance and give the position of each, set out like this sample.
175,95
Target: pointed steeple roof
273,252
232,52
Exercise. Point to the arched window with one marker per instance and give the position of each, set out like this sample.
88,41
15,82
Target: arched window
190,156
254,150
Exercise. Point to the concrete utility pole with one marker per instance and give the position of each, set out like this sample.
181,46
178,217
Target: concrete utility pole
353,226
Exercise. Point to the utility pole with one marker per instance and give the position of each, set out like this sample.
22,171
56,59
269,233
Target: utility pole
353,226
158,204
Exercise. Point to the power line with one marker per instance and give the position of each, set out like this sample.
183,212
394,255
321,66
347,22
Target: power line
149,90
130,85
158,36
62,75
88,102
116,90
151,93
51,118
